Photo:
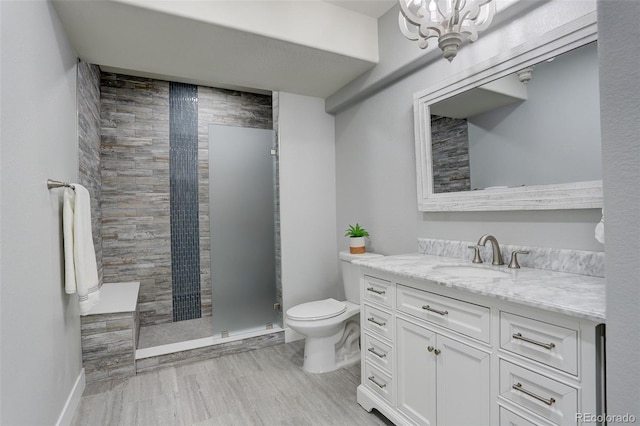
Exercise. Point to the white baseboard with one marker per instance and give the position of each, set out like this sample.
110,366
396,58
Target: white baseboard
72,401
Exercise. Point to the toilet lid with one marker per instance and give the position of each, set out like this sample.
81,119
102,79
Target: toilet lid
320,309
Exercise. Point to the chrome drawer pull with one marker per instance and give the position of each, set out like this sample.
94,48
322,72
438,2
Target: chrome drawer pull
378,354
526,339
380,385
381,324
518,387
430,309
373,290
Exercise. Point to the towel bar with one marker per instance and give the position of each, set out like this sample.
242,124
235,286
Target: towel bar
51,184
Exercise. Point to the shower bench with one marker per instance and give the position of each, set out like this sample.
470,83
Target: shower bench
109,333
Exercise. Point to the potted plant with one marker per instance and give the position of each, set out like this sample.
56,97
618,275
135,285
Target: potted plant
356,235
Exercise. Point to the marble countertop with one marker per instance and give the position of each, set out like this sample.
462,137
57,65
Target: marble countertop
580,296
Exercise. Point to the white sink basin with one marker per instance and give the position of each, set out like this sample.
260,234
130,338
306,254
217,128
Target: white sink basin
470,271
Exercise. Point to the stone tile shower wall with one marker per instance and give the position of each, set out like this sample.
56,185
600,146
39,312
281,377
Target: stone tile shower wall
450,154
136,190
88,94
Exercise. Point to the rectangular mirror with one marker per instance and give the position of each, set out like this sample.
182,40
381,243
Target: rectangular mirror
521,134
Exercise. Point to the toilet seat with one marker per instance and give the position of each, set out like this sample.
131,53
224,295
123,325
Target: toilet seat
317,310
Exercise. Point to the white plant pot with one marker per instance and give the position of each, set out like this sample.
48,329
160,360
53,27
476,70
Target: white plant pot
356,245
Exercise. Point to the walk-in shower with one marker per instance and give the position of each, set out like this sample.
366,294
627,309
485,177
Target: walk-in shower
242,227
242,239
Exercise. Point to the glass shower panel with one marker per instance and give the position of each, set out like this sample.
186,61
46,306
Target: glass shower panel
241,198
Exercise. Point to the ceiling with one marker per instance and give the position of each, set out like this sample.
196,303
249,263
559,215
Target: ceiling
373,8
307,47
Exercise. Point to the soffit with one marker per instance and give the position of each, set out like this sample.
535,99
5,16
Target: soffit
305,47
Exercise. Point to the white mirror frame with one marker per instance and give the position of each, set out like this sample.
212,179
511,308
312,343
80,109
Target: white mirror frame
535,197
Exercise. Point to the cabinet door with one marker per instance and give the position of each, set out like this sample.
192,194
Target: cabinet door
416,378
463,391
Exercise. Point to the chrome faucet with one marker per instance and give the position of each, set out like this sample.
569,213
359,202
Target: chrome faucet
497,256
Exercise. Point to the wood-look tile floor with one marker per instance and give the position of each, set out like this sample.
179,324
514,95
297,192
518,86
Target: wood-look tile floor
261,387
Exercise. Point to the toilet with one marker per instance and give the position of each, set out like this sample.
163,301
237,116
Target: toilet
331,327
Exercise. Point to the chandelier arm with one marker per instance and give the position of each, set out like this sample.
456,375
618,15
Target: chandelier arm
404,28
408,14
431,30
472,11
455,20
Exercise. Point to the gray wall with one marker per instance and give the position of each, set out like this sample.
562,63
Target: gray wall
307,202
375,163
620,108
40,355
552,137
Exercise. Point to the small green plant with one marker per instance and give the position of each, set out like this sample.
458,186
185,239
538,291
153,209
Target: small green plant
356,231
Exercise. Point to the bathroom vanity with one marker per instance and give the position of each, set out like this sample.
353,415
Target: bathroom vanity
446,342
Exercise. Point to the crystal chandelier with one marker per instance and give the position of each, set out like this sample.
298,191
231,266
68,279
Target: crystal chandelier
448,20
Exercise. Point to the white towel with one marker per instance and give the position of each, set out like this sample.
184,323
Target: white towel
80,269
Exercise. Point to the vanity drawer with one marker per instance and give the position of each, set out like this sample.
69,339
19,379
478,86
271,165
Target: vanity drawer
543,342
464,317
509,418
378,291
378,353
378,381
378,322
546,397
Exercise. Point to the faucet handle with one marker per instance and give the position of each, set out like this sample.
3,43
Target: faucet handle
476,255
513,264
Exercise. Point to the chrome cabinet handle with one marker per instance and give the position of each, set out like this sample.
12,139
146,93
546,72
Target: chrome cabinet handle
373,290
437,351
430,309
378,354
518,387
430,348
380,385
381,324
526,339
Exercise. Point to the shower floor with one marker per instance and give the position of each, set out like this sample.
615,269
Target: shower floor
175,332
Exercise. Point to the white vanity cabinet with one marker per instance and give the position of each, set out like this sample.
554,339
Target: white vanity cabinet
437,375
433,355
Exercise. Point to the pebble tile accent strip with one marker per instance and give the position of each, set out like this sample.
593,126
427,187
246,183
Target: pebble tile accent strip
183,189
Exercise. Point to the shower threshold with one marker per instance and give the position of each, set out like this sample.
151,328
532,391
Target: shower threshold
147,350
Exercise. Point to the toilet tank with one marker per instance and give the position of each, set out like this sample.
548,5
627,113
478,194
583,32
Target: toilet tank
350,274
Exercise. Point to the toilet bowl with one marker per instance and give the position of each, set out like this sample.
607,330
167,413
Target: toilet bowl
331,327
